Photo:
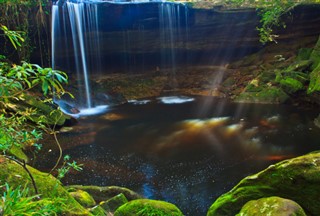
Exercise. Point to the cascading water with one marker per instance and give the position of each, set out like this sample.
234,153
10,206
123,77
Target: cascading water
171,37
80,20
79,33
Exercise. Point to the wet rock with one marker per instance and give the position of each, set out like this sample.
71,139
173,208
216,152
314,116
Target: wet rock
83,198
48,186
115,202
100,194
145,207
297,179
275,206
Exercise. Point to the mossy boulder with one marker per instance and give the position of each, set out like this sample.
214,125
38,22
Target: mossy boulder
270,95
98,210
275,206
100,194
297,179
48,186
84,198
146,207
113,203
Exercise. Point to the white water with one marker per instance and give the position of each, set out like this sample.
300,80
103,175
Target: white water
175,99
170,35
79,19
77,33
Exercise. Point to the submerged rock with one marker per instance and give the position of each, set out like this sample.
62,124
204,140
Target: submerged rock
297,179
145,207
275,206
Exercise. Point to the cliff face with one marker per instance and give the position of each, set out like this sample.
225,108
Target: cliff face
134,37
139,37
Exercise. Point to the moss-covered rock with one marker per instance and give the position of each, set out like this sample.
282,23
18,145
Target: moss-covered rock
48,186
100,194
98,210
115,202
145,207
272,95
297,179
275,206
83,198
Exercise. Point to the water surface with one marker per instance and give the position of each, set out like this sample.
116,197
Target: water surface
185,150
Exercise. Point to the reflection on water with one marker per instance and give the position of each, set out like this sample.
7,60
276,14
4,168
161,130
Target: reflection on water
184,153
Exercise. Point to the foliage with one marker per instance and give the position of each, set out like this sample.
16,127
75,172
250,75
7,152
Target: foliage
30,18
16,201
65,168
15,82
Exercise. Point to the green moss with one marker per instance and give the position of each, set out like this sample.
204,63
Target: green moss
48,186
18,152
98,210
83,198
113,203
266,95
275,206
297,179
52,114
145,207
314,80
291,85
100,194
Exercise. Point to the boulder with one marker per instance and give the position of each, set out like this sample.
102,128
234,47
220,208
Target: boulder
297,179
83,198
146,207
100,194
115,202
275,206
48,186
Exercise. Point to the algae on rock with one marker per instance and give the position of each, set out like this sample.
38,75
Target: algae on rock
146,207
297,179
275,206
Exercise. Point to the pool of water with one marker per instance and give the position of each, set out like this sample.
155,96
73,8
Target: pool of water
185,150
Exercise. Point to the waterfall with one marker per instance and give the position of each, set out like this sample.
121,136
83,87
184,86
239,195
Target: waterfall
81,21
172,36
80,28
